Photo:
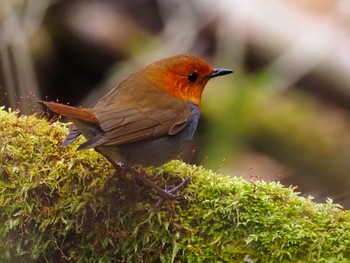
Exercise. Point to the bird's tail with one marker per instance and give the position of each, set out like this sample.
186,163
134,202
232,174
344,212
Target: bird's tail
83,114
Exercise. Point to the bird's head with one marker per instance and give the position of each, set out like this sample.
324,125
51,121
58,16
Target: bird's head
183,76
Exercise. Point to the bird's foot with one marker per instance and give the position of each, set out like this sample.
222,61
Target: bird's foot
164,194
171,194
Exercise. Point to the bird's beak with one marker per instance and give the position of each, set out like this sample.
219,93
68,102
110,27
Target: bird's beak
220,72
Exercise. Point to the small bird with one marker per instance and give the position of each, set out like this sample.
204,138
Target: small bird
147,119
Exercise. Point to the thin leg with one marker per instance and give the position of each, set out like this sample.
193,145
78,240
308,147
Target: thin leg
163,193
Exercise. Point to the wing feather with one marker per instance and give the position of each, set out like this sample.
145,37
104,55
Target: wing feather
148,113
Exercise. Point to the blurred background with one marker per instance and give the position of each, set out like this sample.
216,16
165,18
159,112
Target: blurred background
283,115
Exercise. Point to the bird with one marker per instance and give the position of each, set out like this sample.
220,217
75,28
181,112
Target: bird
147,119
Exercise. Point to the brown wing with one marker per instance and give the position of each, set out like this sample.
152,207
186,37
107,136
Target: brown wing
122,120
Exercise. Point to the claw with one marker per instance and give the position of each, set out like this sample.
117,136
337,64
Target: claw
171,193
163,193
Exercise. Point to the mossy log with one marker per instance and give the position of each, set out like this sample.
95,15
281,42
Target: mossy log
60,205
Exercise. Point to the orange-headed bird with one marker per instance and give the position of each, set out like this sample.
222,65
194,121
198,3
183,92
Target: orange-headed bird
148,118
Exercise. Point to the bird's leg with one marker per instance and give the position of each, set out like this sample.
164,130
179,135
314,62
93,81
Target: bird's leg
163,193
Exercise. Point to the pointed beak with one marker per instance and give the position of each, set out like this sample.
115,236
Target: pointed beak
220,72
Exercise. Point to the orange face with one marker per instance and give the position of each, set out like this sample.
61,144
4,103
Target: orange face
183,76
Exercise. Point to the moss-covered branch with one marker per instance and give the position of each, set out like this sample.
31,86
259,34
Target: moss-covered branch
61,205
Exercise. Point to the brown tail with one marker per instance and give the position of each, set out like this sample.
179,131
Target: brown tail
83,114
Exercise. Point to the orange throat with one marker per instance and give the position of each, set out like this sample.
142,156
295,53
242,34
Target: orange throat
184,90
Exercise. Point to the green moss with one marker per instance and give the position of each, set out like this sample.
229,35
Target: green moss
61,205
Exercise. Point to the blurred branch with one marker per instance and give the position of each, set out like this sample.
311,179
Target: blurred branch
302,40
19,20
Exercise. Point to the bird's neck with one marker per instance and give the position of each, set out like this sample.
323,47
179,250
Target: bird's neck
187,93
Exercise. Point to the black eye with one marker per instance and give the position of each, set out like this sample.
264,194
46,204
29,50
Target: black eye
192,77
